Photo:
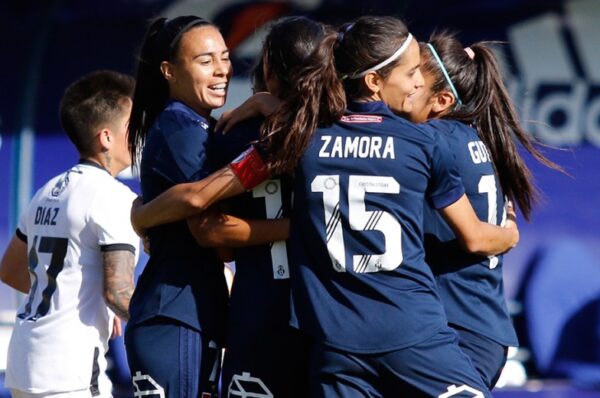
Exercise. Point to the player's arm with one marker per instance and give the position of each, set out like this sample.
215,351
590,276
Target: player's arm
14,270
184,200
261,103
214,229
476,236
119,266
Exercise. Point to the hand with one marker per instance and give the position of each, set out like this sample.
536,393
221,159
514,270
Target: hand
141,232
511,221
117,330
262,103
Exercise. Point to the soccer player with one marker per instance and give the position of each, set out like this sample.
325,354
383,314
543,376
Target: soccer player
261,346
360,284
74,252
179,307
465,92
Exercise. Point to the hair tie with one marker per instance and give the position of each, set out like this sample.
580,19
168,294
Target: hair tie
470,52
446,75
343,32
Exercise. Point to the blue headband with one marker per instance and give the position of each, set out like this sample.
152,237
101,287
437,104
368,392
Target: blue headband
441,64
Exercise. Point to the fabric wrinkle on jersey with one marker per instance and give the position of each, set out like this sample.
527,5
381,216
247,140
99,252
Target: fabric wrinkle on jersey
70,221
181,281
471,286
368,312
260,341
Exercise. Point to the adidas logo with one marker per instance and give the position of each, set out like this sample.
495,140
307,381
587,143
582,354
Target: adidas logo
557,81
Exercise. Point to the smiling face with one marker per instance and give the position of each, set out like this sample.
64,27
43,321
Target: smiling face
400,88
199,75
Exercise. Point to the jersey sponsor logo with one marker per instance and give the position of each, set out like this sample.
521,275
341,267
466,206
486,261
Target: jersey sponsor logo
557,84
462,391
361,119
246,386
479,152
45,215
146,386
357,147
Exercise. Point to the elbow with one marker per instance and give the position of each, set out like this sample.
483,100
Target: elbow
195,201
471,245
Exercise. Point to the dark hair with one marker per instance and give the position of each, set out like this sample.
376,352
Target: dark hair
91,101
257,77
161,43
318,96
487,105
287,47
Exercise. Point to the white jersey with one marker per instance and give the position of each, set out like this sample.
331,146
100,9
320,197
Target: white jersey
63,326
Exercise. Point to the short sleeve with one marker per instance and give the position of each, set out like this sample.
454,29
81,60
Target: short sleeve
110,215
21,231
445,186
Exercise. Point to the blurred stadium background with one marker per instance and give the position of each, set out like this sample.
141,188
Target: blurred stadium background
551,60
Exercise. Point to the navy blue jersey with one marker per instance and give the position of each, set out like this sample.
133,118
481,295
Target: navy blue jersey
261,346
359,278
181,281
261,282
470,286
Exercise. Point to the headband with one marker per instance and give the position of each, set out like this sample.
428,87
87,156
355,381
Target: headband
441,64
388,61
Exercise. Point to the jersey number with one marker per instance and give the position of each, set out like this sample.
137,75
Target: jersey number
271,191
360,219
487,185
57,247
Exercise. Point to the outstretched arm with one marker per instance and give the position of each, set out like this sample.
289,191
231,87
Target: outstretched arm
14,269
212,229
476,236
184,200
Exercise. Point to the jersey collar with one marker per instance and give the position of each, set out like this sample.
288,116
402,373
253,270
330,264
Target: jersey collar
182,107
87,162
368,107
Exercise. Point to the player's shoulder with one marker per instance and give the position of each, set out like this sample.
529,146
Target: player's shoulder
452,128
178,116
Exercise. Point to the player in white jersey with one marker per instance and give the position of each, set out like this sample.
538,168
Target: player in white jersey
74,252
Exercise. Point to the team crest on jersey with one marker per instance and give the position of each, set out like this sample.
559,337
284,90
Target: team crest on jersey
361,119
462,391
246,386
60,186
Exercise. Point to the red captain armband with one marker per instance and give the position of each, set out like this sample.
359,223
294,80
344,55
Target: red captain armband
250,168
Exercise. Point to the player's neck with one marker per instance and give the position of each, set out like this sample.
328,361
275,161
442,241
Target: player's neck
106,162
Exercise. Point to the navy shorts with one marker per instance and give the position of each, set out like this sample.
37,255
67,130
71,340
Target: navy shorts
269,365
488,356
169,359
436,367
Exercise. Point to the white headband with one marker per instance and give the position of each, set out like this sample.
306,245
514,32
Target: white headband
388,61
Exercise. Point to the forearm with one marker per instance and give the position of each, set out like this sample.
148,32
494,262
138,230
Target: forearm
185,200
476,236
230,231
14,270
492,240
119,267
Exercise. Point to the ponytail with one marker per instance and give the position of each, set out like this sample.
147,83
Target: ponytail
486,104
151,92
317,98
498,127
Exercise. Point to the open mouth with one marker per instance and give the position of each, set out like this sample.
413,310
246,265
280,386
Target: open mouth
220,88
